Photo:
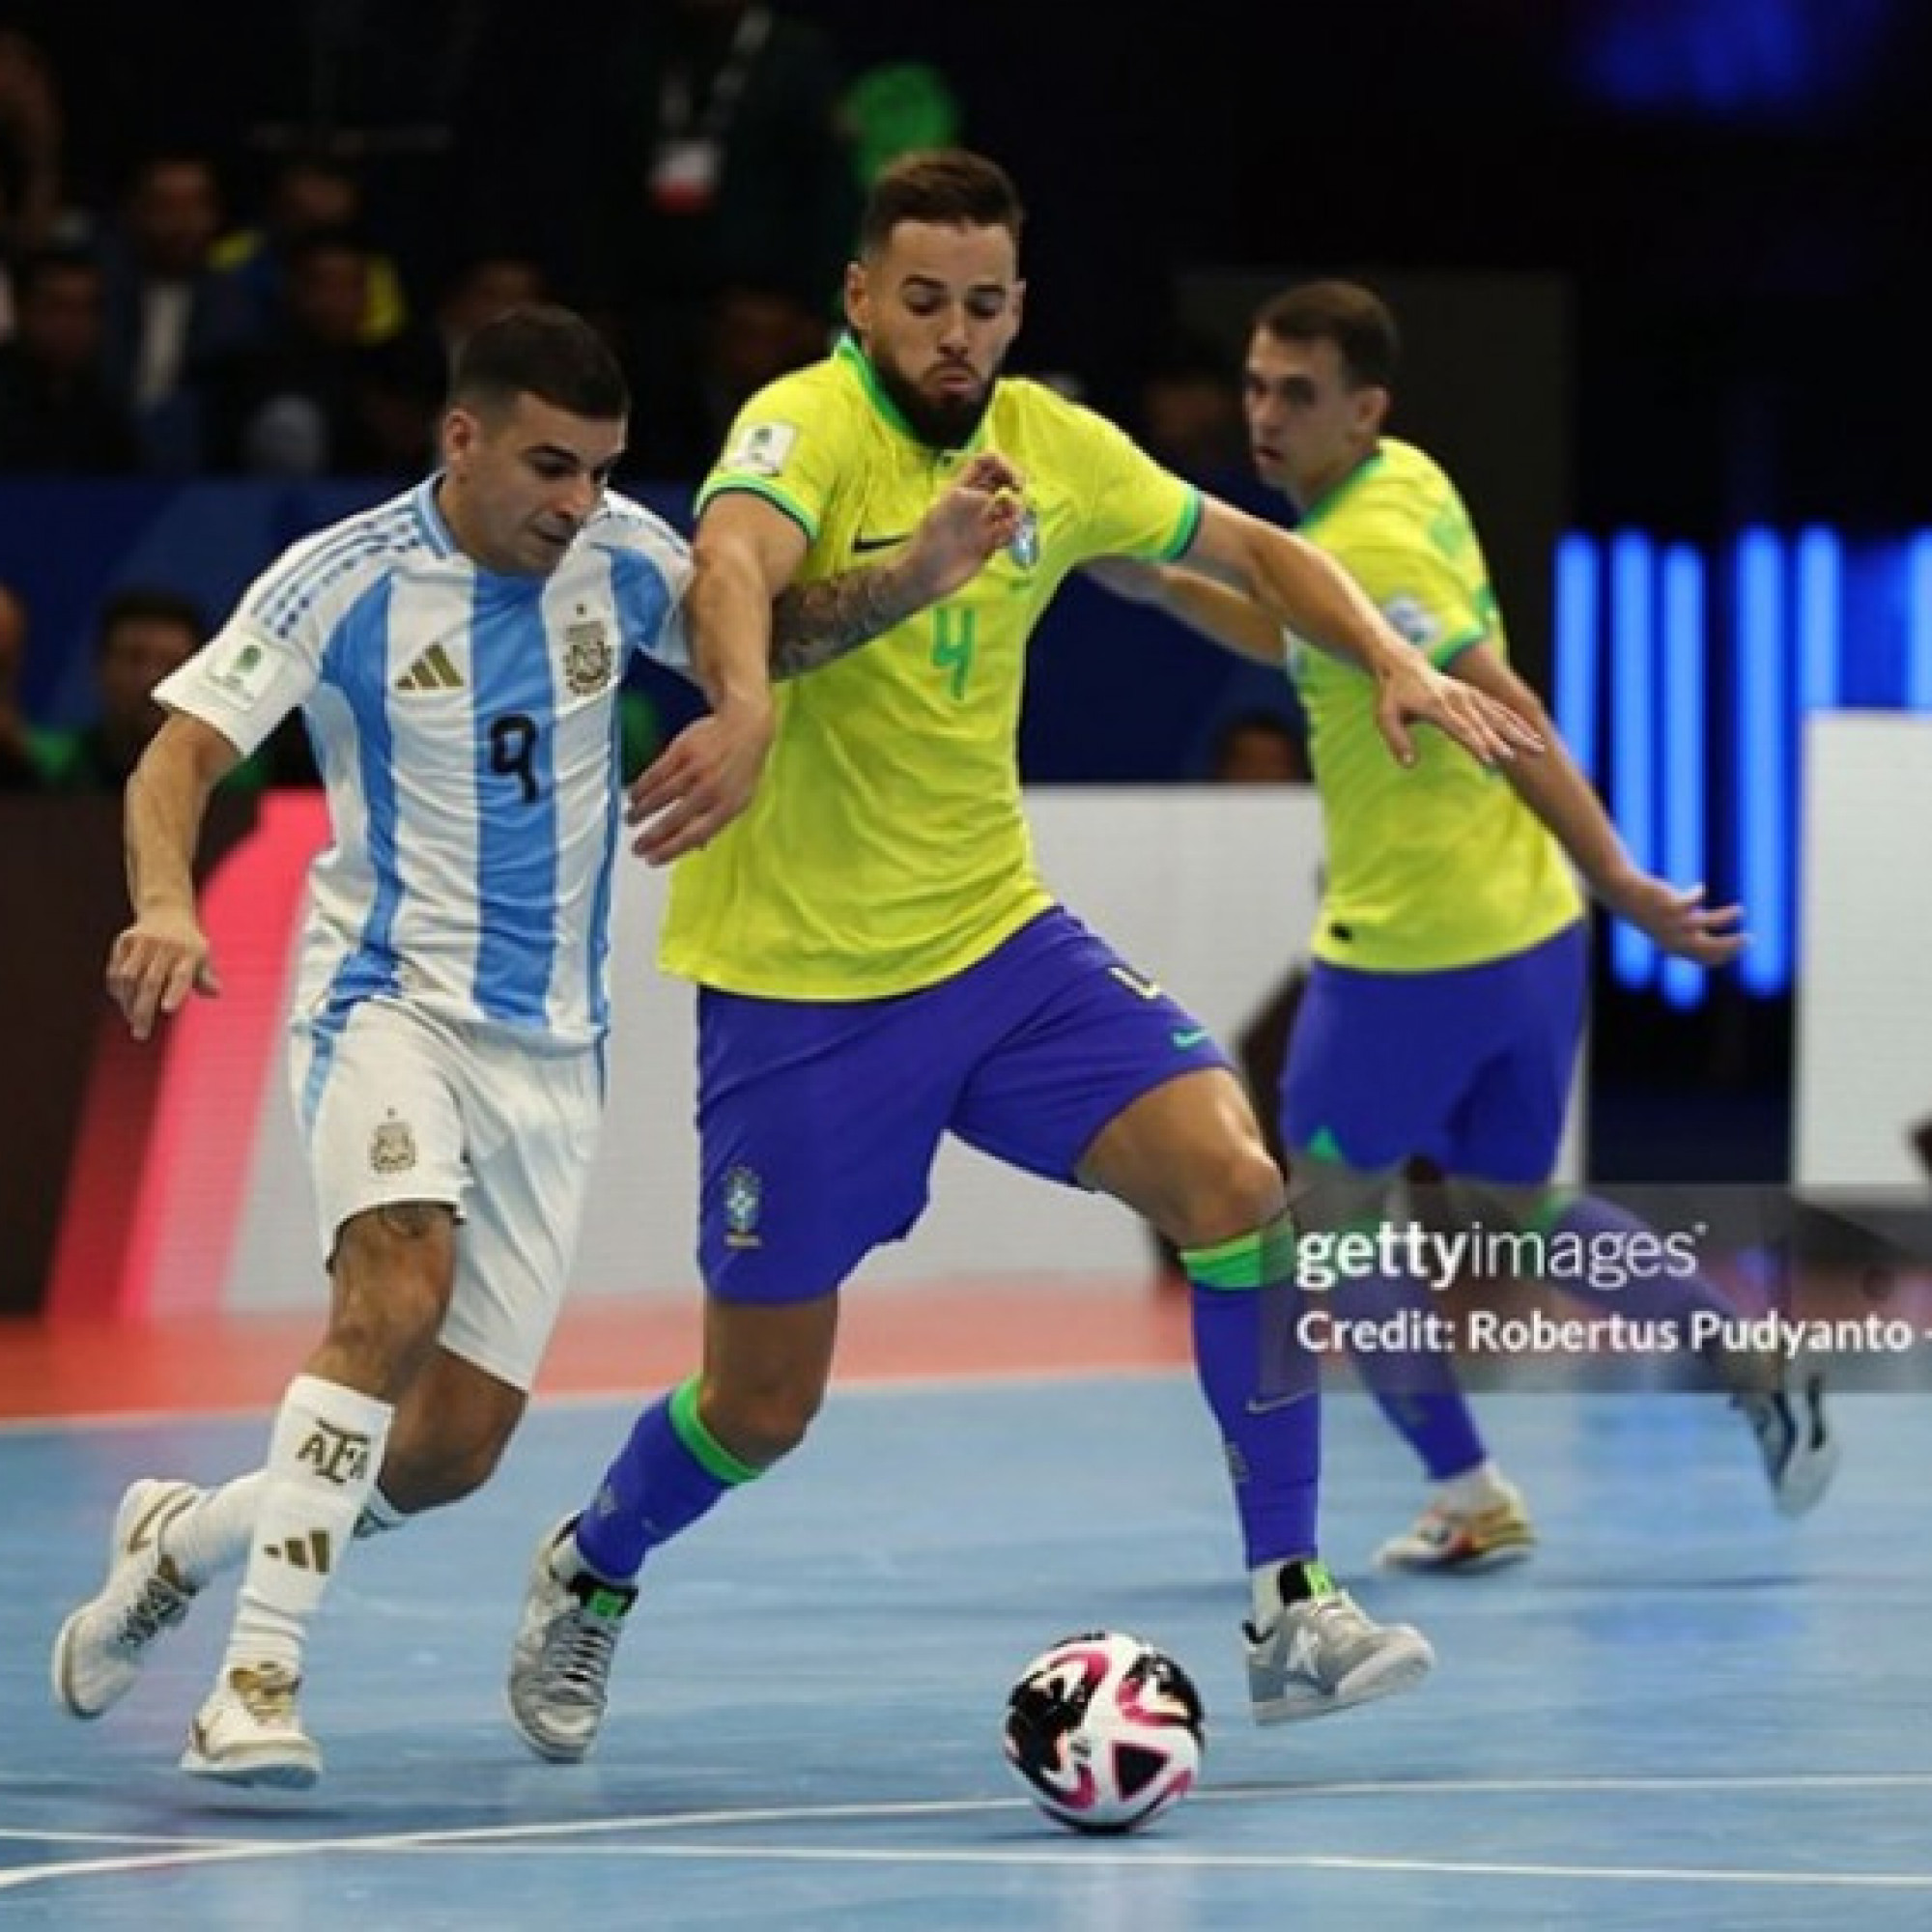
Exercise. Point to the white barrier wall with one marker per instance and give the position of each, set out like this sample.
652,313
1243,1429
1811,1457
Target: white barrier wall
1865,1031
1210,890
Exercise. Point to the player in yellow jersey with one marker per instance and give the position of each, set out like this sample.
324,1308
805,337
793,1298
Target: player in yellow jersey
880,964
1446,1004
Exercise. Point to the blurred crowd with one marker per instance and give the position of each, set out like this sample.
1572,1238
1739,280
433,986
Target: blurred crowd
284,304
280,299
287,307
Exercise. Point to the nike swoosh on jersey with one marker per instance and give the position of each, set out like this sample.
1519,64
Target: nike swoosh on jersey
863,544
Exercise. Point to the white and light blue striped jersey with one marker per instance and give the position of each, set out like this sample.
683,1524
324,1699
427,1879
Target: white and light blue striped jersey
466,727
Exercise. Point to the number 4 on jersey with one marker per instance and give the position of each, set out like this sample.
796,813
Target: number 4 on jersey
953,637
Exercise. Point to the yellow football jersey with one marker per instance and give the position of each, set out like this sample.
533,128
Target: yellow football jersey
1440,865
886,848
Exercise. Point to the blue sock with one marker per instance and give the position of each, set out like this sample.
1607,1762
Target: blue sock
669,1473
1262,1387
1417,1389
1605,1227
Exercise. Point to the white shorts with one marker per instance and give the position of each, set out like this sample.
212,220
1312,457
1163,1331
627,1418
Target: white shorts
397,1105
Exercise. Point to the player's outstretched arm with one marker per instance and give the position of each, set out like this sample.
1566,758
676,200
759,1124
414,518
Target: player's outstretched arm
1217,610
1678,919
977,517
1319,601
745,551
156,962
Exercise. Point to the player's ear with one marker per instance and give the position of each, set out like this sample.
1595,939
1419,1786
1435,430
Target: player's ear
858,297
1371,408
458,434
1019,303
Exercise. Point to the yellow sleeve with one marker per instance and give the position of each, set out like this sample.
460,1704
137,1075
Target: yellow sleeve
1419,592
789,444
1132,507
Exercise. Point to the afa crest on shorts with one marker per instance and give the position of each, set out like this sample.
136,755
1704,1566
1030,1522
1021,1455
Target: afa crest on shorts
392,1146
589,657
744,1202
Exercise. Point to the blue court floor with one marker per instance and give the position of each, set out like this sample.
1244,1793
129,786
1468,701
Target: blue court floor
1684,1711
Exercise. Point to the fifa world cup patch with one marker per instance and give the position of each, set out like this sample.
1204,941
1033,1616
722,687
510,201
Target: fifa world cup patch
392,1146
241,672
762,448
1414,619
744,1203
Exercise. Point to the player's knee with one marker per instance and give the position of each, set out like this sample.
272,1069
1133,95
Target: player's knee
760,1426
1236,1194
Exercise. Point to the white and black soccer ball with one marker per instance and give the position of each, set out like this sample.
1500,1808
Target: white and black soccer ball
1105,1731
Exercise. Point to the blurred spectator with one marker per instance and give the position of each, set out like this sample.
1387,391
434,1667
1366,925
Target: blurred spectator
56,413
752,336
727,133
481,289
310,398
1190,413
310,194
30,157
19,771
169,314
1259,748
895,107
142,635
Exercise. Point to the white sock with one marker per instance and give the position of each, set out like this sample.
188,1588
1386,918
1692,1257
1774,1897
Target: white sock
213,1535
1475,1490
322,1458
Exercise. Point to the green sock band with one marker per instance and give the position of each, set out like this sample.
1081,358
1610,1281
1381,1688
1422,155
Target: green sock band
1551,1210
1251,1260
699,1440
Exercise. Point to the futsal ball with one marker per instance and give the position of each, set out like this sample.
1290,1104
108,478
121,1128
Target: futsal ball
1105,1731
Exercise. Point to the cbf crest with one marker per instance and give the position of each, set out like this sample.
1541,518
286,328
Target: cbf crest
1023,546
392,1146
743,1204
589,657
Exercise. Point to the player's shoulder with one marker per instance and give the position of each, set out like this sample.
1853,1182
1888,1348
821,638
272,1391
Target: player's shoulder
1389,504
1046,428
1407,467
824,392
335,565
621,522
1043,407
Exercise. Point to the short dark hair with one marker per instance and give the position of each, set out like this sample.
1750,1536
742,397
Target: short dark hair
147,603
1354,319
544,351
950,187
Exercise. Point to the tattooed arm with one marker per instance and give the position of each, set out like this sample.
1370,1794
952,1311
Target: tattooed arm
813,624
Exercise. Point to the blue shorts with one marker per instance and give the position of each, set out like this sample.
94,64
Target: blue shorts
1469,1067
820,1120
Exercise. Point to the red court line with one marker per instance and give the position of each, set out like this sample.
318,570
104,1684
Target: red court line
201,1364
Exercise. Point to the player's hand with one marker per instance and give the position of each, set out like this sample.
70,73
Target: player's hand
978,515
700,781
155,964
1678,919
1412,689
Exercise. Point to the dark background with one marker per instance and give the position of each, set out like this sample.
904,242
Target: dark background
1736,189
1727,198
